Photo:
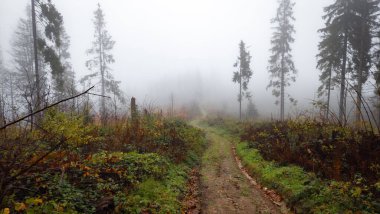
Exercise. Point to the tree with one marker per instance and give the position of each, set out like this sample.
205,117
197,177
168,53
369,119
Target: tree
281,66
338,16
252,112
65,82
347,37
99,63
22,59
52,21
364,26
328,63
243,74
2,100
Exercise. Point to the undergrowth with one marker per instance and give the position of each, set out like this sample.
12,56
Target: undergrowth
317,168
71,166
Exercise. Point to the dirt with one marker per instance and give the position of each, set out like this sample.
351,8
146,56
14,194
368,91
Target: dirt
191,202
224,187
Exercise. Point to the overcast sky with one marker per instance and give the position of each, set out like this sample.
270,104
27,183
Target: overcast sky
187,47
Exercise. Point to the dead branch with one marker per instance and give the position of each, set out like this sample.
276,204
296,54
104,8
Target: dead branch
47,107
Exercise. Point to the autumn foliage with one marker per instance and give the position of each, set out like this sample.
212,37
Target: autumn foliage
68,165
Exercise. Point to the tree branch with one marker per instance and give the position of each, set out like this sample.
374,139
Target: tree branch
47,107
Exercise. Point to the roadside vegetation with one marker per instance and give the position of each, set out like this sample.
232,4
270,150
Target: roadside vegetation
315,167
72,165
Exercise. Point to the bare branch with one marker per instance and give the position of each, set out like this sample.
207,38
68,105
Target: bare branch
47,107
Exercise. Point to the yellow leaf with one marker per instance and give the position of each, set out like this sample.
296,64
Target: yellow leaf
6,211
20,207
38,201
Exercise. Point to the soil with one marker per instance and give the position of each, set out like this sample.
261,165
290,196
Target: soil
224,187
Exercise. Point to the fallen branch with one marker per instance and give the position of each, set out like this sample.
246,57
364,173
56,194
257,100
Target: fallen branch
47,107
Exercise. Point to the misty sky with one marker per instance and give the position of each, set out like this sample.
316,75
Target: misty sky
187,47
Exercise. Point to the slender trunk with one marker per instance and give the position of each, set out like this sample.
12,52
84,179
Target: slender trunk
342,102
360,83
282,101
12,98
172,106
37,75
2,116
103,104
240,95
115,109
328,95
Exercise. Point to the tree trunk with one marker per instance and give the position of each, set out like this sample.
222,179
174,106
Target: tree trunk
12,98
360,83
134,113
37,75
342,101
103,92
240,98
282,101
328,95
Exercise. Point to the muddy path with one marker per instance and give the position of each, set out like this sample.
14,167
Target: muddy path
224,188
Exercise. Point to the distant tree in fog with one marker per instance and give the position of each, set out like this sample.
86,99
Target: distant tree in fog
22,52
281,66
243,74
252,112
65,82
100,61
2,81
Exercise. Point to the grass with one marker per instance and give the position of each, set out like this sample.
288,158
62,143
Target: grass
158,196
303,192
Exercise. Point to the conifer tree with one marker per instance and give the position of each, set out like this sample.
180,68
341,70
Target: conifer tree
243,74
364,28
52,22
252,112
281,66
22,53
100,61
347,38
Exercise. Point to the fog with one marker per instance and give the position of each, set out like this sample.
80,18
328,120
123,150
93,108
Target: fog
187,48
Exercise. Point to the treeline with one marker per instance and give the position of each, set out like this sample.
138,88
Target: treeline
41,72
348,58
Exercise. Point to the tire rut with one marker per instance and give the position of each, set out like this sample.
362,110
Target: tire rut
224,188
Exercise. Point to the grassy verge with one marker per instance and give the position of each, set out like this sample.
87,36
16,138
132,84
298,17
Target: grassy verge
303,192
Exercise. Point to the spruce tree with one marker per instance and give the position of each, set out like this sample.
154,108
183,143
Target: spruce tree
243,74
328,63
281,66
51,20
347,37
22,53
364,27
100,61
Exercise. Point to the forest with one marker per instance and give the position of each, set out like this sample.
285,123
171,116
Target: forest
171,107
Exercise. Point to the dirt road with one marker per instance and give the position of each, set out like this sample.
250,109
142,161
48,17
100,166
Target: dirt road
224,188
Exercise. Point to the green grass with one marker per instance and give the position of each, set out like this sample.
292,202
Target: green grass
303,192
157,196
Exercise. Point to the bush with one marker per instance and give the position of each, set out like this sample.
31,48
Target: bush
330,151
123,167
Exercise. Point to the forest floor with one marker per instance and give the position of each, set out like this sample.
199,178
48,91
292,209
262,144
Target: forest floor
224,187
